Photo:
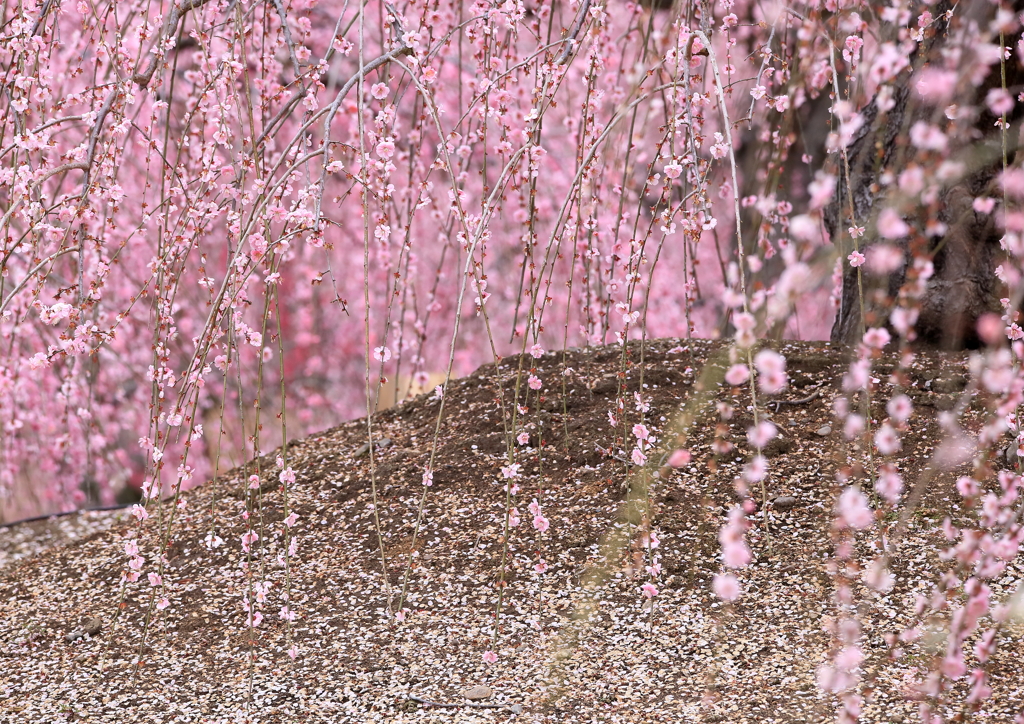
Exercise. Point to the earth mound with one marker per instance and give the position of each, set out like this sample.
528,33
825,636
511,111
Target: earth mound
578,638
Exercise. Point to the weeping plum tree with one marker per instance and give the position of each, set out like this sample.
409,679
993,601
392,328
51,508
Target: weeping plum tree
226,222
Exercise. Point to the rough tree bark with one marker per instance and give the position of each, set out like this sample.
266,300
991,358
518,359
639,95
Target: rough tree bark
964,285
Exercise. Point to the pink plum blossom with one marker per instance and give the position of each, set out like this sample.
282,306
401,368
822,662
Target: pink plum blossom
884,258
877,337
679,458
887,440
755,470
891,226
853,508
726,586
771,369
927,137
936,85
984,204
737,374
889,484
762,433
734,549
899,408
999,101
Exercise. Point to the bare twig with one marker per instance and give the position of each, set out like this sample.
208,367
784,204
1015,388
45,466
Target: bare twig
802,401
570,39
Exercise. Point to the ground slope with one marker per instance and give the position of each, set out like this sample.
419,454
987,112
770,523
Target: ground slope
577,642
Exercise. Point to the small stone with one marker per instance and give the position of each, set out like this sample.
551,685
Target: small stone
90,628
478,692
365,447
516,708
784,502
824,431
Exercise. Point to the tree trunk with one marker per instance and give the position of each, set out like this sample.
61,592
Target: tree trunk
963,285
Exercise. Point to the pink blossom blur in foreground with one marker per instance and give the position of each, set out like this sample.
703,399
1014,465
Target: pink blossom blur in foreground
853,508
726,586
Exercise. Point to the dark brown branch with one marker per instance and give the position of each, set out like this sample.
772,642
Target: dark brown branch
802,401
570,39
170,29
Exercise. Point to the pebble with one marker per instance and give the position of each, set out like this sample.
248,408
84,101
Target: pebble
823,431
478,692
90,628
365,447
784,502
